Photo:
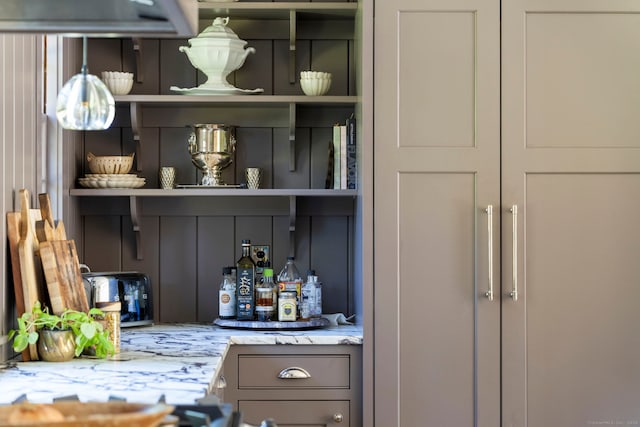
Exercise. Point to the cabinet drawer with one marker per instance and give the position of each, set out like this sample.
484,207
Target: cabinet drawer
327,371
293,413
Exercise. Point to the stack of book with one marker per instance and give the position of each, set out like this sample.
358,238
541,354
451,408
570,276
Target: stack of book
342,157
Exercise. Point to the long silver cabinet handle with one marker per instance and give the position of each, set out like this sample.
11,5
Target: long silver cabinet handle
489,210
514,262
294,373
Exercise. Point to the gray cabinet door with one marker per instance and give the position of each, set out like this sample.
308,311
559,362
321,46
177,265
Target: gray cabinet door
571,163
559,154
437,142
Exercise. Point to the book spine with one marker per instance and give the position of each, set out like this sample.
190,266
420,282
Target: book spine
336,156
343,157
352,176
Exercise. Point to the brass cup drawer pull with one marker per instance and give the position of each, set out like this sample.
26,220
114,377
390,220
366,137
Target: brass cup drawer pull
294,373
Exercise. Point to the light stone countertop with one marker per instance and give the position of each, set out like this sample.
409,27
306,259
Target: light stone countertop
179,361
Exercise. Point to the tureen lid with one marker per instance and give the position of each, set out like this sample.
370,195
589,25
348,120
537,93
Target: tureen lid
218,29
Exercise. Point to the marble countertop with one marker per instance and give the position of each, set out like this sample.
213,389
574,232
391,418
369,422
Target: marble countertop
179,361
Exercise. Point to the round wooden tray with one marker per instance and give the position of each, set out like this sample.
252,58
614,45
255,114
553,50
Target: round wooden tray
272,326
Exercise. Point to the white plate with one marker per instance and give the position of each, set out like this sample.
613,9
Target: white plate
109,183
111,175
216,91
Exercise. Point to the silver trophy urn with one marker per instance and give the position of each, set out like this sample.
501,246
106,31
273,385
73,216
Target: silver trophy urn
212,147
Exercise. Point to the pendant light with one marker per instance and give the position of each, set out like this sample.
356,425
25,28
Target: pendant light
85,103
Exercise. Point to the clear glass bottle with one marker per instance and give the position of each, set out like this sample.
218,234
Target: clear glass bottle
308,297
266,293
289,279
227,295
245,286
317,312
267,280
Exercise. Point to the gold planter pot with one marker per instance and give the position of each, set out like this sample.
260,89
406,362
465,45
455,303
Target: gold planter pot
56,346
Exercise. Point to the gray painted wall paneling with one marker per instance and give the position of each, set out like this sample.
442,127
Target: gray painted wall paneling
178,269
19,138
216,249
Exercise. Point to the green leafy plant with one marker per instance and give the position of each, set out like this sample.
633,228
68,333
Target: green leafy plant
87,330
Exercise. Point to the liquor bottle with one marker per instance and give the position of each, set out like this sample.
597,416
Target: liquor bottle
227,295
308,297
289,279
245,287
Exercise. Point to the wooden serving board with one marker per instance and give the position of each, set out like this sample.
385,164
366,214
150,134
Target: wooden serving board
47,229
30,266
62,273
13,235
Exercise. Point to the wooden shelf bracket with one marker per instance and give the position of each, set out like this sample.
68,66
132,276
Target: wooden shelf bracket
135,208
292,225
137,50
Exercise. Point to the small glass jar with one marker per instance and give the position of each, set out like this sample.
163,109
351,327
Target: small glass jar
111,321
287,306
264,304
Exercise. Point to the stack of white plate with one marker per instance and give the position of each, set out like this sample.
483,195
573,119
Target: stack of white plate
111,180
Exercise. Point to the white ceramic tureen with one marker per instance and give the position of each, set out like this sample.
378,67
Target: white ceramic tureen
216,51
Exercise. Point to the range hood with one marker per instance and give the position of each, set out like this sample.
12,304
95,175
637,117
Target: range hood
101,18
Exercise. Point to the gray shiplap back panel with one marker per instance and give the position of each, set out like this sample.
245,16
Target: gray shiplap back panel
253,149
150,264
330,259
216,250
283,177
187,240
256,71
178,269
175,68
101,251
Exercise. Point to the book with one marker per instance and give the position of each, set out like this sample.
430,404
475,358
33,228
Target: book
343,157
328,183
352,170
336,156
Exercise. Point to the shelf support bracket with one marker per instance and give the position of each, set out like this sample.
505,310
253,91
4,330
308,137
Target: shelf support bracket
136,118
135,208
137,50
292,137
292,46
292,225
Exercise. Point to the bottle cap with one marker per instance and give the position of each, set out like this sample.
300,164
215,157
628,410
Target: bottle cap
246,242
311,272
290,258
226,270
267,272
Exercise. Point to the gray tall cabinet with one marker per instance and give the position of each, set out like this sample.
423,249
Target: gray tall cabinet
507,198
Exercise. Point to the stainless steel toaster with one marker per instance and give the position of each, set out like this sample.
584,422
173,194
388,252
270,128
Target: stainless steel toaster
130,288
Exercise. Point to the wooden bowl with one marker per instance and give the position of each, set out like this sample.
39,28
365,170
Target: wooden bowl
79,414
110,164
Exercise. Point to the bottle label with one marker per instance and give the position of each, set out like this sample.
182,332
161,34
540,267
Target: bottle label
244,293
227,304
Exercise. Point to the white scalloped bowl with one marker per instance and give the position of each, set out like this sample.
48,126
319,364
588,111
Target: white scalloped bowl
315,83
118,82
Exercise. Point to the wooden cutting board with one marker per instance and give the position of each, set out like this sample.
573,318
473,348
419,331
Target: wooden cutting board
13,235
63,277
30,266
47,229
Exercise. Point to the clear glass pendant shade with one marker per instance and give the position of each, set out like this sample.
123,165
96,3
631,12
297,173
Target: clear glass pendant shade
85,103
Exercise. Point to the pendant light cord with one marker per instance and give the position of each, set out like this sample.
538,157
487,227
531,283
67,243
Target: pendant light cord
84,70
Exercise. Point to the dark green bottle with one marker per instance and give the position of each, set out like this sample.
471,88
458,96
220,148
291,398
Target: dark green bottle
245,284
